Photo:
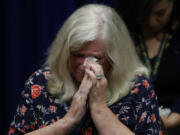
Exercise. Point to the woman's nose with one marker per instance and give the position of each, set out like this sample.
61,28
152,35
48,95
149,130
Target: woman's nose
153,22
81,63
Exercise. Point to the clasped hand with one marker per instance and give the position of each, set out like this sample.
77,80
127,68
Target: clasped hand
91,92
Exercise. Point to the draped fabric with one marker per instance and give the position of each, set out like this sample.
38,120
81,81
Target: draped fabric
27,28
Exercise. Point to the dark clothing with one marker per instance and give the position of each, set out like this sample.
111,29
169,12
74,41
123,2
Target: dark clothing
166,82
38,108
176,107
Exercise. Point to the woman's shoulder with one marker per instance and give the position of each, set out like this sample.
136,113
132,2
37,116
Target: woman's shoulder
141,81
142,87
39,76
141,90
44,71
36,83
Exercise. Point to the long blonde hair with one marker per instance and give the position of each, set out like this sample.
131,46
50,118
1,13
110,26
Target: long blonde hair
86,24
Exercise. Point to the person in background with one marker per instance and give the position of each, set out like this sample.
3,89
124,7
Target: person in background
154,26
93,82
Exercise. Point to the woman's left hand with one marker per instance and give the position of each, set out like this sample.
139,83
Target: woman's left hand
103,118
97,95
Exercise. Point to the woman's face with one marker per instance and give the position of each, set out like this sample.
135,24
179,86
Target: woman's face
95,48
159,16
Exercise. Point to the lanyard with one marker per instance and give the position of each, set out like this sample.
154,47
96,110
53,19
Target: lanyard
154,68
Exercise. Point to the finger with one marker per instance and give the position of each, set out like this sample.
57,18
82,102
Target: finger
85,85
97,70
91,75
95,67
84,78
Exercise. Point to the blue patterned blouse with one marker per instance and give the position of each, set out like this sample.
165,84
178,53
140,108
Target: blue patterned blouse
38,108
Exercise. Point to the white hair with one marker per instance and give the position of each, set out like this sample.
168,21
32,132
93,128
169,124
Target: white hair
86,24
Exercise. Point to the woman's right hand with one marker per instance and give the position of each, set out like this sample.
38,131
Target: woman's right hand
75,114
79,103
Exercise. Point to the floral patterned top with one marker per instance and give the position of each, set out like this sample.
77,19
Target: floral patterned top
38,108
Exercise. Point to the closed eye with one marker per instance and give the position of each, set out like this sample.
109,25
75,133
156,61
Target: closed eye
78,55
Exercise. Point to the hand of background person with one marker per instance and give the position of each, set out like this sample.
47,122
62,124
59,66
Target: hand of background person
173,120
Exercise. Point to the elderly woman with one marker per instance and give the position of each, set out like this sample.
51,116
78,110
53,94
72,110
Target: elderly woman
92,82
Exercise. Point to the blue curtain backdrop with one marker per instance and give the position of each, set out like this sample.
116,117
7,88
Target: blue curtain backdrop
27,28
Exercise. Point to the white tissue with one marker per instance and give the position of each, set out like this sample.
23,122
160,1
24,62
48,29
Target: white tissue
164,111
90,58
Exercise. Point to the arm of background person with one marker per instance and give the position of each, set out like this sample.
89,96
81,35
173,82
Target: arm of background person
173,120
